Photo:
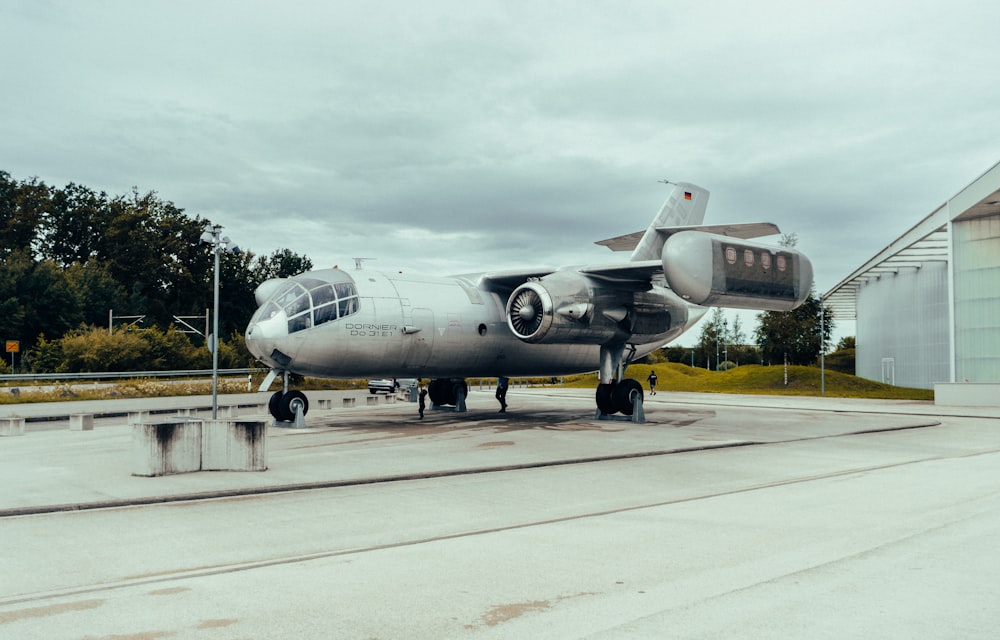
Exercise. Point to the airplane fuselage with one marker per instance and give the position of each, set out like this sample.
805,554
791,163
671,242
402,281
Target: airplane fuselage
425,327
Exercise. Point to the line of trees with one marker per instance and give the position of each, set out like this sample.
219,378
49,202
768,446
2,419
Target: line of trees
797,335
70,255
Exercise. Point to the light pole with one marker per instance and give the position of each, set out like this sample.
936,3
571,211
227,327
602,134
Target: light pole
716,347
725,343
822,347
213,236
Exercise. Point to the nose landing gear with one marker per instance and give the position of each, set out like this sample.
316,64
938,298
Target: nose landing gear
289,406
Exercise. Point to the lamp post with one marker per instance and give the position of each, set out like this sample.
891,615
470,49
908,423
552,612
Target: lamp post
213,236
725,338
716,347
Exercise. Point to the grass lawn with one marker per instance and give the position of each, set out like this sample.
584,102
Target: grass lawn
754,379
757,379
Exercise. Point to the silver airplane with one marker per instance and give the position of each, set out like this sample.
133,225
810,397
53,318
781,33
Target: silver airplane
334,323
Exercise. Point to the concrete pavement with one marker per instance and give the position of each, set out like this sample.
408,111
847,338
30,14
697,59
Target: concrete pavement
723,517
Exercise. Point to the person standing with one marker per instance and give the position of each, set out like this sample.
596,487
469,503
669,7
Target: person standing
652,383
502,383
422,400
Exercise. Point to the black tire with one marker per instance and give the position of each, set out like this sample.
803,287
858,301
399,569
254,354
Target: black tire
605,400
289,401
623,394
441,392
274,405
372,391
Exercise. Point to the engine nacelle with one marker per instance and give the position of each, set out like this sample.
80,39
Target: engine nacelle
714,270
564,307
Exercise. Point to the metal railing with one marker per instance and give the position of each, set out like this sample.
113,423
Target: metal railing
119,375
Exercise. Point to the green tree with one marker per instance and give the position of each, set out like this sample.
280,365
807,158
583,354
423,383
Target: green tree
68,256
22,208
676,354
152,248
95,349
35,298
96,292
708,351
283,263
794,334
76,220
847,342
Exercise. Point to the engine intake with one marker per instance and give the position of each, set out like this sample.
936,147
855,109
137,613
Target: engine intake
567,307
529,312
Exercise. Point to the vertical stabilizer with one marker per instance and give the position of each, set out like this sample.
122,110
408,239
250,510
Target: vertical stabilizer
685,206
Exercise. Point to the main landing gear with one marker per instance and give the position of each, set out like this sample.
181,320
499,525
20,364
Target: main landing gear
448,392
615,394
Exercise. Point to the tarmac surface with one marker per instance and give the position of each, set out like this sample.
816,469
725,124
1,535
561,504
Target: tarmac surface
721,516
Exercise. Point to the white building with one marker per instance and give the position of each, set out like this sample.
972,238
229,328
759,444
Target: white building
927,307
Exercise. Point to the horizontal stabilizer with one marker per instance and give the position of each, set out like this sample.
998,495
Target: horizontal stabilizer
629,241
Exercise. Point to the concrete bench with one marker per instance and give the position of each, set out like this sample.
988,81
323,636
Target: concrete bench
390,399
11,426
234,445
166,445
372,400
228,411
348,402
324,403
81,422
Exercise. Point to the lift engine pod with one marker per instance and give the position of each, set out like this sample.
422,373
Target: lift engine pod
714,270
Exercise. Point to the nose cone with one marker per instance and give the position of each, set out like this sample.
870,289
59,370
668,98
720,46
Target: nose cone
264,333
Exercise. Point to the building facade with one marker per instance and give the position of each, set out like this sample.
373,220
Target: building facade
927,307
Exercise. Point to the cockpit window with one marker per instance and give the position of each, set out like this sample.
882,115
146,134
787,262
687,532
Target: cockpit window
298,305
322,294
309,302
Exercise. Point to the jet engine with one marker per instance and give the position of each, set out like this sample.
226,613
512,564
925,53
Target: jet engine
714,270
566,307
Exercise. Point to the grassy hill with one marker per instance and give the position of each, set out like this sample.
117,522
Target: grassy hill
756,379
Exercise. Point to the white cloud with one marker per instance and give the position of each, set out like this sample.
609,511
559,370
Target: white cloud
445,135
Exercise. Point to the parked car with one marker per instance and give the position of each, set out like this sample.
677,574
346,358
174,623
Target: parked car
389,385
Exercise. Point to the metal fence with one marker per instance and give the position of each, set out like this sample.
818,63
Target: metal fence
120,375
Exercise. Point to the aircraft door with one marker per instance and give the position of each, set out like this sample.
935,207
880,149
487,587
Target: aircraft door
419,339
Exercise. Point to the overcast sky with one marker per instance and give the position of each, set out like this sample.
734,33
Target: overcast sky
451,137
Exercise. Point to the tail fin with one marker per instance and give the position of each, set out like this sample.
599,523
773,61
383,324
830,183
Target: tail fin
685,206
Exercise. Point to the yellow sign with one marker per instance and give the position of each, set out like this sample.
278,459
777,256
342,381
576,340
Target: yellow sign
13,346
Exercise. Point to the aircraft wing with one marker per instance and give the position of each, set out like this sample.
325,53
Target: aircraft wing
635,276
746,231
640,272
631,275
510,279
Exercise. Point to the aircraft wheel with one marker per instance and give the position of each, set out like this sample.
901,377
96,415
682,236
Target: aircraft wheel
441,391
623,394
290,402
274,405
605,400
